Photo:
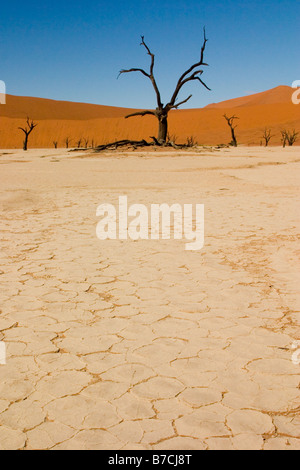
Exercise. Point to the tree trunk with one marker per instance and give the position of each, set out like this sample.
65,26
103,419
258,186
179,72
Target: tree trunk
25,143
234,141
162,129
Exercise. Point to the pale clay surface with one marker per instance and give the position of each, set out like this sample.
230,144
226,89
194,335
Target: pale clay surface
143,345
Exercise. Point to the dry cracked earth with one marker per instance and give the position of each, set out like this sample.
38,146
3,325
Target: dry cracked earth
142,344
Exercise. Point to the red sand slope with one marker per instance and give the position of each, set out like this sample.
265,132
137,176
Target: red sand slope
59,119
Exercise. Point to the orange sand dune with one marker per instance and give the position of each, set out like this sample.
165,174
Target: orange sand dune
41,108
102,124
278,95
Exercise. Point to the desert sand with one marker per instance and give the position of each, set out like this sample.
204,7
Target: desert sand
58,120
141,344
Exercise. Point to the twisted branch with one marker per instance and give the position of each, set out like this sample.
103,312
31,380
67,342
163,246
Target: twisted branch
195,75
27,130
148,75
141,113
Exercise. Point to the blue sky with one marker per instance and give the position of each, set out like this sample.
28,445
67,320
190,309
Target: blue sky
73,50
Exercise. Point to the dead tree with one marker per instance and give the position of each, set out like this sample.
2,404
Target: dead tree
171,139
283,138
122,143
27,131
161,112
190,141
55,143
230,121
292,137
67,142
267,136
289,137
86,142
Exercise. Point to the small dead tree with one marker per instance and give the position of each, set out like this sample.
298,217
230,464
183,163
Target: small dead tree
171,138
55,143
86,142
267,136
289,137
230,121
190,141
292,137
27,131
161,112
79,143
283,138
67,142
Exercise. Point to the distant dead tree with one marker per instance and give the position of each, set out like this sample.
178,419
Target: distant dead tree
86,142
289,137
161,111
172,138
55,143
67,142
79,143
190,141
230,121
27,131
283,138
292,136
267,136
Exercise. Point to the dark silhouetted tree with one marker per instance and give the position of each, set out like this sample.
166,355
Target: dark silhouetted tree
190,141
161,112
267,136
283,138
67,142
289,137
230,121
27,131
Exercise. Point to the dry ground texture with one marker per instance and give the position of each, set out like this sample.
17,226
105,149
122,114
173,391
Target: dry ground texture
143,345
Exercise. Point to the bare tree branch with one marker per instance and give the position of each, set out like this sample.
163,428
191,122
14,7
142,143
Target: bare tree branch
181,102
185,78
148,75
122,143
230,120
134,70
141,113
149,53
31,125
